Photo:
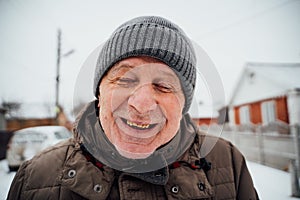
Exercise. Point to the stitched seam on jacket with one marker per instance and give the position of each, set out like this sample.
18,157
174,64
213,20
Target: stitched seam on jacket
23,189
46,187
26,188
53,148
224,183
233,168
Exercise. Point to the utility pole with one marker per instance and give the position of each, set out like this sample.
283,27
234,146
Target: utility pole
57,68
59,56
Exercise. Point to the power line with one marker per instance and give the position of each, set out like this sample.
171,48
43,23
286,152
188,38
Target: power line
246,19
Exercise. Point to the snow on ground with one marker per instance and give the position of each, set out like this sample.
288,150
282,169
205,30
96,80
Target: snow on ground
5,179
270,183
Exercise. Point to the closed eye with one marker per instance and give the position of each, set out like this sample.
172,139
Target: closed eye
126,82
163,88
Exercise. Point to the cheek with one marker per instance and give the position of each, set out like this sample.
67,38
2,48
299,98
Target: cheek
173,111
118,97
173,107
103,104
110,100
105,113
106,119
174,121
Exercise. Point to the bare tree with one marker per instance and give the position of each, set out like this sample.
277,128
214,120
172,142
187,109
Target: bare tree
12,108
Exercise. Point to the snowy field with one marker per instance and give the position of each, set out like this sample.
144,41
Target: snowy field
270,183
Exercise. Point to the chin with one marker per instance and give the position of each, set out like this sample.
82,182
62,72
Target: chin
133,155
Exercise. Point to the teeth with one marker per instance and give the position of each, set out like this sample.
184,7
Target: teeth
144,126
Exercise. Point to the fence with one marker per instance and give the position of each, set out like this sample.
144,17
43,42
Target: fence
272,150
277,149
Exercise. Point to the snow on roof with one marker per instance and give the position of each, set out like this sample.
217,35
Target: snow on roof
35,110
202,110
265,80
205,101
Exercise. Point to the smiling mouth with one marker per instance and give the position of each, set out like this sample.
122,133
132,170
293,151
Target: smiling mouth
138,126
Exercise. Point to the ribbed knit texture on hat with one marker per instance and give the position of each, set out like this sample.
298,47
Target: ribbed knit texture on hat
154,37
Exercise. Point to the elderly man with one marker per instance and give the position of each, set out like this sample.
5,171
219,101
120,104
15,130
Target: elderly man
136,141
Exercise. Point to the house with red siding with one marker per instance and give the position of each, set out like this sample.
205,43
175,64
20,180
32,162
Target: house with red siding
266,93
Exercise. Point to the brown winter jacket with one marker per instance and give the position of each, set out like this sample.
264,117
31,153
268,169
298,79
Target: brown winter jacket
64,172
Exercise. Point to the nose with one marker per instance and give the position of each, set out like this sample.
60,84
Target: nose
143,99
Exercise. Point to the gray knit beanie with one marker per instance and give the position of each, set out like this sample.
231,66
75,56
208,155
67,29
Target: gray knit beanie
154,37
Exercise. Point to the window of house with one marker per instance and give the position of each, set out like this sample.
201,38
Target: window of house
268,109
244,115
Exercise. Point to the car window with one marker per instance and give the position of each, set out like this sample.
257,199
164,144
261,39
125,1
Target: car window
29,137
19,139
36,137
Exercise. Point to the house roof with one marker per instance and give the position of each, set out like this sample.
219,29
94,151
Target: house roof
265,80
34,110
202,110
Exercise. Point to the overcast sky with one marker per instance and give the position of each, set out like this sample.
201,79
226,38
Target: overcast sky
231,32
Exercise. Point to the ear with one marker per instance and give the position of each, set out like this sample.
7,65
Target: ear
98,101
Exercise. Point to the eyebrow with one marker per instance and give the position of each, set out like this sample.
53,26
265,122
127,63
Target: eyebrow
169,74
115,69
119,66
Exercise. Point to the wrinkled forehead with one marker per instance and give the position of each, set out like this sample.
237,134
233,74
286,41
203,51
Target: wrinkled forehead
143,67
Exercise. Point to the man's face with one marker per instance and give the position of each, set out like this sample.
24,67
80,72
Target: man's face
140,106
